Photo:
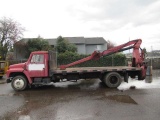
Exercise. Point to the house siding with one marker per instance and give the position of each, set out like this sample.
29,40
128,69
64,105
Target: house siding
104,47
90,48
81,48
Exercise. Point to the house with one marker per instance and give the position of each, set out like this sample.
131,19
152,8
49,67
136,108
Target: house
153,54
84,45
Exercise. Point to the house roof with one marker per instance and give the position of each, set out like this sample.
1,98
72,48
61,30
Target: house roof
75,40
80,40
52,41
24,40
95,40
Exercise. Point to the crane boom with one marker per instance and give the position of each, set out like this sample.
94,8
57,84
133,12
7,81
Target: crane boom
137,60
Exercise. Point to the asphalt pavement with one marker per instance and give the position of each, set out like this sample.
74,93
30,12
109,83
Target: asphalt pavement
83,100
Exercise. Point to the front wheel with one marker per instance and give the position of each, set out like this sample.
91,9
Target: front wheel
112,80
19,83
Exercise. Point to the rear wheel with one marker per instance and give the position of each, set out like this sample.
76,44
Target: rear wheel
112,80
19,83
1,77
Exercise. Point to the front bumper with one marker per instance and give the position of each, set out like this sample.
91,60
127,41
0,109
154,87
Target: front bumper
9,80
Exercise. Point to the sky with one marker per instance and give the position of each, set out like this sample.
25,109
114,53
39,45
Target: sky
116,20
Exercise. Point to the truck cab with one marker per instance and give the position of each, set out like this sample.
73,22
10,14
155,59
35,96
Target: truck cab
37,66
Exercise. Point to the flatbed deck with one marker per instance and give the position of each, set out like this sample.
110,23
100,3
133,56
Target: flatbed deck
96,69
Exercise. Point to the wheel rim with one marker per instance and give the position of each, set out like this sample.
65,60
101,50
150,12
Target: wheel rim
113,80
18,83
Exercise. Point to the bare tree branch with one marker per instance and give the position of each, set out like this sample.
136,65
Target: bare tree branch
10,32
110,44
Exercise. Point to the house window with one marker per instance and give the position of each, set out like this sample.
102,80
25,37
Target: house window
37,59
99,47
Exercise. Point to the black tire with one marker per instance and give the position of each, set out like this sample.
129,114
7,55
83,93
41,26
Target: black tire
112,80
19,83
1,77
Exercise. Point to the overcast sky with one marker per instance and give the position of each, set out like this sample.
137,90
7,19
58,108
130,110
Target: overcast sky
115,20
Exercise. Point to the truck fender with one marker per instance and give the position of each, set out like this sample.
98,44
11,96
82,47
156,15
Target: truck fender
27,75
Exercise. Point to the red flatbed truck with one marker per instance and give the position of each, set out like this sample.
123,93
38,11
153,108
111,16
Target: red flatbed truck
41,68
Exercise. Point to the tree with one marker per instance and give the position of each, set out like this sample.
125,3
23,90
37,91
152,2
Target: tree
37,44
10,32
144,50
110,44
63,46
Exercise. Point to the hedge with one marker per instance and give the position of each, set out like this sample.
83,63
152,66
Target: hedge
112,60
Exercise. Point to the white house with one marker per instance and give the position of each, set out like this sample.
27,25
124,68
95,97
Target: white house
85,45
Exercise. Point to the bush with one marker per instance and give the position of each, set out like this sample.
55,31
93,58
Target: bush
67,57
112,60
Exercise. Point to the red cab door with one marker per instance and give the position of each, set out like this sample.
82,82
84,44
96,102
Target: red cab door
36,66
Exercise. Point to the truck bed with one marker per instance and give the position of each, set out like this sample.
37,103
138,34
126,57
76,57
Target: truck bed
96,69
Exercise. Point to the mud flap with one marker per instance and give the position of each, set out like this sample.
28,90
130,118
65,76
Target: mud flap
126,77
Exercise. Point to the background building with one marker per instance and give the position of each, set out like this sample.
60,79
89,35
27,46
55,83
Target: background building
84,45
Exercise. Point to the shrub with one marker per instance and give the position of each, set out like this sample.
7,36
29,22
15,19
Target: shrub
112,60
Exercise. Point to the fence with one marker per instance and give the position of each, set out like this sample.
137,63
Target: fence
154,62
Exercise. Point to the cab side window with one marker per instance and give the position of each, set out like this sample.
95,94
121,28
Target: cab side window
37,59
